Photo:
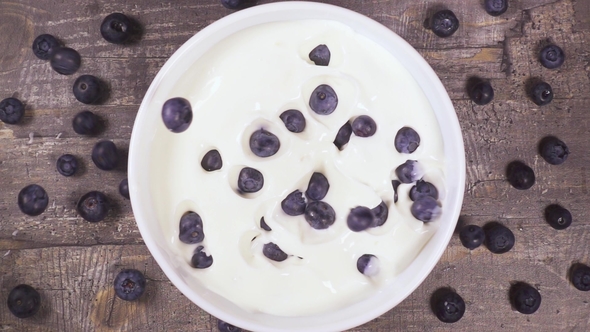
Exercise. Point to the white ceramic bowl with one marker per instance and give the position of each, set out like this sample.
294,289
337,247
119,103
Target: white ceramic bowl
409,279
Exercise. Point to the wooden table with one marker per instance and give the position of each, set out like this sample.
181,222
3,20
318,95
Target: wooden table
73,262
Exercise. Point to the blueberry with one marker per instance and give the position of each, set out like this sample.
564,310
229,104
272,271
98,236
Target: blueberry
12,110
558,217
67,165
343,135
177,114
234,4
264,143
129,284
124,188
360,218
250,180
225,327
580,277
552,56
499,238
264,225
191,228
87,89
364,126
422,189
105,155
471,236
542,94
86,123
444,23
293,120
447,305
320,55
520,175
318,187
481,93
381,212
212,161
323,100
319,215
273,252
43,45
406,140
93,206
117,28
200,259
425,209
24,301
496,7
525,298
368,265
395,184
294,204
65,60
33,200
553,150
408,172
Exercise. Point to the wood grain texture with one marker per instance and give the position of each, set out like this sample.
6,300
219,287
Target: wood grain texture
73,262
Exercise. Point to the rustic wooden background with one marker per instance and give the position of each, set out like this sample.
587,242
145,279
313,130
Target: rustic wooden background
73,262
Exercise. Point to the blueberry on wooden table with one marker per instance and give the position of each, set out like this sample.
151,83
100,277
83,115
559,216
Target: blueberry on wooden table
471,236
444,23
481,93
65,60
381,213
320,55
129,284
226,327
343,135
496,7
318,186
525,298
293,204
93,206
364,126
323,100
499,239
236,4
319,215
552,56
124,188
212,161
273,252
264,143
558,217
422,189
191,228
520,176
250,180
43,45
553,150
86,123
67,165
542,93
447,305
12,110
406,140
33,200
117,28
87,89
105,155
294,120
580,277
24,301
177,114
360,218
368,265
200,259
425,209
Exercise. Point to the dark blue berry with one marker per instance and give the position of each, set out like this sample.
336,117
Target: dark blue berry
525,298
264,225
33,200
273,252
425,209
471,236
381,213
553,150
395,184
558,217
191,228
264,143
105,155
24,301
86,123
200,259
343,136
65,60
87,89
407,140
580,277
43,45
250,180
520,175
234,4
225,327
12,110
212,161
363,264
360,218
67,165
93,206
129,284
293,120
364,126
408,172
117,28
323,100
499,238
320,55
177,114
542,94
552,56
294,204
444,23
124,188
422,189
448,306
496,7
481,93
319,215
317,187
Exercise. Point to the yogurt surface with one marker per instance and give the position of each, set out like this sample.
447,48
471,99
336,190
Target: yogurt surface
243,84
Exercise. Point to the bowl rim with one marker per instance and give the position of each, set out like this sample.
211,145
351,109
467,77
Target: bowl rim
331,12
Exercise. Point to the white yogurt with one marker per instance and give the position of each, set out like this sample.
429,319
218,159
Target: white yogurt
243,84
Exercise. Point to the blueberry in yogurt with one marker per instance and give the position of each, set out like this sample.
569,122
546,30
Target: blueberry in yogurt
395,184
381,212
520,176
406,140
264,143
496,7
87,89
444,23
191,228
226,327
422,189
551,56
368,265
558,217
23,301
580,277
264,225
105,155
364,126
250,180
273,252
319,215
12,110
553,150
408,172
129,284
317,187
323,100
294,120
33,200
212,161
67,165
343,135
177,114
294,204
320,55
525,298
425,209
65,60
200,259
542,93
43,45
360,218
